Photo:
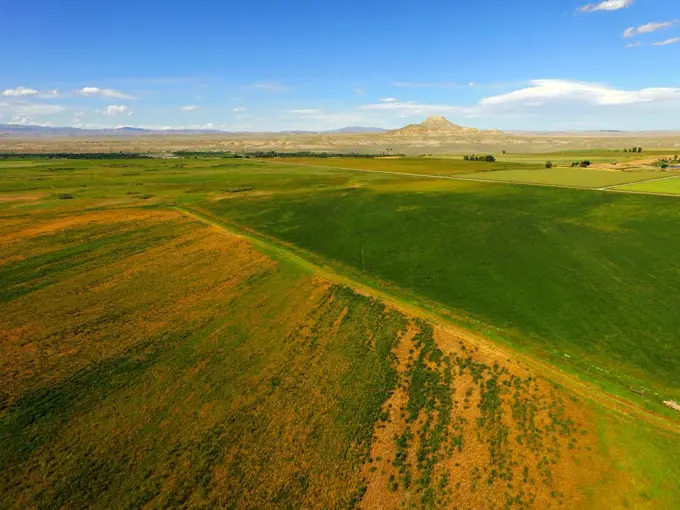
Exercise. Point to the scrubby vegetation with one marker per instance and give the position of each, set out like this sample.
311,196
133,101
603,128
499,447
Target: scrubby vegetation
275,154
73,155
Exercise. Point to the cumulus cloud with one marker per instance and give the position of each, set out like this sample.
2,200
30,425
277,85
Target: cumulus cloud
542,91
189,108
116,110
20,120
607,5
20,92
648,28
96,91
24,92
672,40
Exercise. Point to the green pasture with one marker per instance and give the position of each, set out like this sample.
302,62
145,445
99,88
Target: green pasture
571,177
585,274
670,186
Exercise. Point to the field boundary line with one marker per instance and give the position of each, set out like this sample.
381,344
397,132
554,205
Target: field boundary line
487,181
587,390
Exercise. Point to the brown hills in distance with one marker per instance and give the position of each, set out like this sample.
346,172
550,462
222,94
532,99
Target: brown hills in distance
436,125
435,135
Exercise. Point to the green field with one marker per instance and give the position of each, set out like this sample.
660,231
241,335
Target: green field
429,166
572,177
557,269
593,155
373,340
670,186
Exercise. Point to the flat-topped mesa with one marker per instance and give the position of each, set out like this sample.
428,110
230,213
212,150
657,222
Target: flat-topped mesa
435,125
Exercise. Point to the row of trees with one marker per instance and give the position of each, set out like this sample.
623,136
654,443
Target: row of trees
663,163
275,154
488,158
582,164
74,155
634,149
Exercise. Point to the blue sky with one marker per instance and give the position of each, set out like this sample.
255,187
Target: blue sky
275,65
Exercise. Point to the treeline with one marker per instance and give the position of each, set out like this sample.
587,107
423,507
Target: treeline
582,164
634,149
275,154
206,154
664,163
489,158
74,155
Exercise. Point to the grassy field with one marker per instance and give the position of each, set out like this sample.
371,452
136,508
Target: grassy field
430,166
595,156
670,186
560,271
151,357
173,365
526,169
574,177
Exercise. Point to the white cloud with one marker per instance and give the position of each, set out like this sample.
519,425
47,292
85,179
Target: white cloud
96,91
30,109
20,120
239,109
634,44
20,92
542,91
115,110
673,40
472,84
388,100
189,108
648,28
607,5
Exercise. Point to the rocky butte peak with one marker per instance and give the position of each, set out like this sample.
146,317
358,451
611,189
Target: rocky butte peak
432,126
438,126
439,123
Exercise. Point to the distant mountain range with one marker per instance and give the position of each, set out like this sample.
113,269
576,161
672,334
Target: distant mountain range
29,130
